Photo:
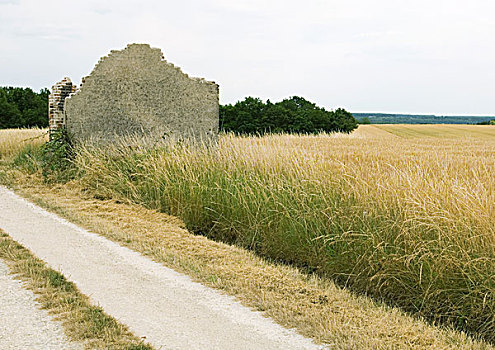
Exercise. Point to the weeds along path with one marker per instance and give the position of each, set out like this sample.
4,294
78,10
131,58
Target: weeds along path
23,324
156,302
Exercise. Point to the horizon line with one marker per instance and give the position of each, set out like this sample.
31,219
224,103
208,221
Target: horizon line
427,114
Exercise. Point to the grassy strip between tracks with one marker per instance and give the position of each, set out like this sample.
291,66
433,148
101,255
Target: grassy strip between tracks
81,321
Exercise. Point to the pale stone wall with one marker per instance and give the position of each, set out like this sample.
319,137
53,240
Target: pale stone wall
135,92
60,91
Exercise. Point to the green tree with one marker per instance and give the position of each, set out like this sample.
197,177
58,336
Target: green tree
10,115
22,107
291,115
244,117
364,120
344,121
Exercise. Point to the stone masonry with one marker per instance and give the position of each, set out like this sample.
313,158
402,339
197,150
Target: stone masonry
135,92
56,100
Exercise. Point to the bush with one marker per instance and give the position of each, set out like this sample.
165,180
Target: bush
57,155
487,122
54,158
29,158
364,120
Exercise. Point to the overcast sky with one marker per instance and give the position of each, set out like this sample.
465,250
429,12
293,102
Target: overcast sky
421,56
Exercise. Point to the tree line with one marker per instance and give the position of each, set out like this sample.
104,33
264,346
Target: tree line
487,122
292,115
23,108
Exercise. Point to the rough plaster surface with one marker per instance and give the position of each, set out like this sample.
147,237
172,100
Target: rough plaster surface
135,92
166,307
23,325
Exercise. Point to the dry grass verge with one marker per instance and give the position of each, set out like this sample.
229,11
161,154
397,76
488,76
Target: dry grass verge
82,322
314,306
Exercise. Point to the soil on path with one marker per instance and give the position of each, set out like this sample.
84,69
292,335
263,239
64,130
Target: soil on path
166,308
23,325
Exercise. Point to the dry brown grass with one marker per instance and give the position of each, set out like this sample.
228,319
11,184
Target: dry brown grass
314,306
81,321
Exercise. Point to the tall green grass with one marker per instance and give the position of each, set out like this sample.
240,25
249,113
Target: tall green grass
411,222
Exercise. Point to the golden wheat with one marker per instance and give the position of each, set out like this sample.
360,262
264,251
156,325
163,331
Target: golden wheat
14,140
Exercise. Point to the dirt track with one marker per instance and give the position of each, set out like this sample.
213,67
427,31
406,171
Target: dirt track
23,325
166,307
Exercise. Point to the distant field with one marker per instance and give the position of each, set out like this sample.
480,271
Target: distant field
384,118
452,131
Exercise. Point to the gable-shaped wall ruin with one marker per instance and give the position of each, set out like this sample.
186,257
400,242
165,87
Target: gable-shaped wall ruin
135,92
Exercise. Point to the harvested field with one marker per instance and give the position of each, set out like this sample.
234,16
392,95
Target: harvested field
442,131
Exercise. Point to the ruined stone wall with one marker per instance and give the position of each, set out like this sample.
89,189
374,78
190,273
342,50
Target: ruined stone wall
60,91
135,92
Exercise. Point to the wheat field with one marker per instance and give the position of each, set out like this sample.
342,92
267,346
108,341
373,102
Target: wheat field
14,140
402,213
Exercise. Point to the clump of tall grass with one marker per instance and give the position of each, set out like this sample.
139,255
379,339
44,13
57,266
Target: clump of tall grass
411,222
30,150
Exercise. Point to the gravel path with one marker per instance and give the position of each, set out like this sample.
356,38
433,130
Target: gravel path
166,307
23,325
